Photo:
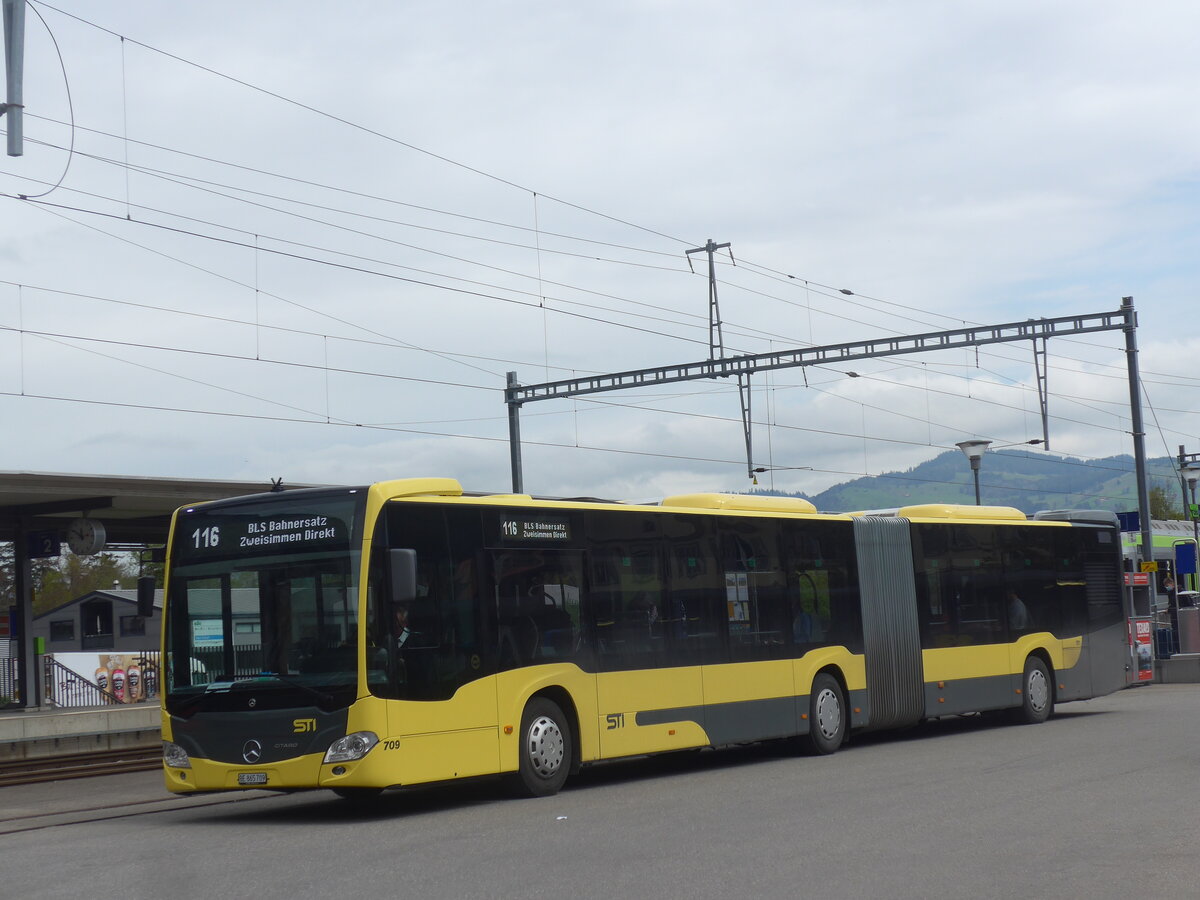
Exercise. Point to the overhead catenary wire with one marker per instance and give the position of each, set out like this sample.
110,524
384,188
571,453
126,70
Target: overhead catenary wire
408,145
826,290
682,316
70,105
355,125
60,338
1059,417
321,421
766,335
373,132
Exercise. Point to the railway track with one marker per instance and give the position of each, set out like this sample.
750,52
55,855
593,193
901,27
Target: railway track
80,765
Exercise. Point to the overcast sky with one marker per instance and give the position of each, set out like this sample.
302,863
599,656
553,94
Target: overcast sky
307,241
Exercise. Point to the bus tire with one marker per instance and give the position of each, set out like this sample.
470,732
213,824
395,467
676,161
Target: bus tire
826,715
545,749
1037,693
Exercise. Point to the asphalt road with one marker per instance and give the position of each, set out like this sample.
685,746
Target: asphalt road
1102,801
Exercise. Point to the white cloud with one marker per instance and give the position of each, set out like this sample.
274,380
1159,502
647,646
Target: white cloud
982,163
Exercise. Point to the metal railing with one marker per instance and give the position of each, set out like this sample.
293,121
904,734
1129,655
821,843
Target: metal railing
10,680
64,687
102,641
248,659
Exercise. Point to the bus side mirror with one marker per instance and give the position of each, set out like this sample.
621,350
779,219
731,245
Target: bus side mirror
145,596
403,575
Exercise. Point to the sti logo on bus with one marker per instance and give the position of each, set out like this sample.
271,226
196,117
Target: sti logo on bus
299,726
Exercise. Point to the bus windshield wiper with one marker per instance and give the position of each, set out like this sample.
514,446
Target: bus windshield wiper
323,698
185,706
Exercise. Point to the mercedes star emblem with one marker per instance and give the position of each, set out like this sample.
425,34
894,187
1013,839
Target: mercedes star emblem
252,751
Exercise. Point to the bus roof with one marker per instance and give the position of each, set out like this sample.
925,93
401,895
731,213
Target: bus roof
948,511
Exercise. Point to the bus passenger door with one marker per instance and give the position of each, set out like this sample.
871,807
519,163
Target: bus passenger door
649,696
438,669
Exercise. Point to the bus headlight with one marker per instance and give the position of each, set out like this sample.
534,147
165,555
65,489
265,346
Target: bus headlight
351,747
175,756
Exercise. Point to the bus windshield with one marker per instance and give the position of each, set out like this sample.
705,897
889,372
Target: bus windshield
263,595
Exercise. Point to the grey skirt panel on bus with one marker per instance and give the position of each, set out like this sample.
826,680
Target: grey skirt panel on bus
891,630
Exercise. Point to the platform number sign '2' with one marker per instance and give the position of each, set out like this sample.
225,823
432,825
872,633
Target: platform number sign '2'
42,544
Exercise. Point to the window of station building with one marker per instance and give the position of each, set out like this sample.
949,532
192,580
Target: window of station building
62,630
96,616
133,626
821,567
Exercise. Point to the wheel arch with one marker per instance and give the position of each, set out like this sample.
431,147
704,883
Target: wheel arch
834,670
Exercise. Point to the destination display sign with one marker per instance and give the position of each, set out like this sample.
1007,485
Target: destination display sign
264,529
534,528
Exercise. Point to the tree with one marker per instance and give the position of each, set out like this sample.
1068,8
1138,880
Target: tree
59,581
7,595
1163,505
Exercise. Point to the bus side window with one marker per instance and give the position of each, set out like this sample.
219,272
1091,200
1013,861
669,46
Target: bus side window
538,596
822,590
1029,575
759,615
697,609
627,611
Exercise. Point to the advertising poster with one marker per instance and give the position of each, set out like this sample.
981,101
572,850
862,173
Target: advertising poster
128,677
1143,650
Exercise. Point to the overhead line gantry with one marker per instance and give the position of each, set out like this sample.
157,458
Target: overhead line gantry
742,367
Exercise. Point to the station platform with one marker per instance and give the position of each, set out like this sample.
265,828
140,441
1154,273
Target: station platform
1182,668
44,733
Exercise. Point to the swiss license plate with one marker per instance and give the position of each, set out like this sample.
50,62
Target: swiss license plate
252,778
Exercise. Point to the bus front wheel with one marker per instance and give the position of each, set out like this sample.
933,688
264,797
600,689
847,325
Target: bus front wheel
1037,693
826,715
545,751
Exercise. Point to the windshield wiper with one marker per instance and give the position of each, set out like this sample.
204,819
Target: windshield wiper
188,706
323,698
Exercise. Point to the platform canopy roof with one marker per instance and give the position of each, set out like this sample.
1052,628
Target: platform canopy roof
133,509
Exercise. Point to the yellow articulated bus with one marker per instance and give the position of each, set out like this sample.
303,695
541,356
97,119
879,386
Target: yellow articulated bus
403,633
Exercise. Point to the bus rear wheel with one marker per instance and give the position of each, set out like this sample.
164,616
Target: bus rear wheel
545,749
1037,693
826,715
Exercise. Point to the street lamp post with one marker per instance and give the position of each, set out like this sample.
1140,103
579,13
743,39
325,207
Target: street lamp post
974,452
1192,474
